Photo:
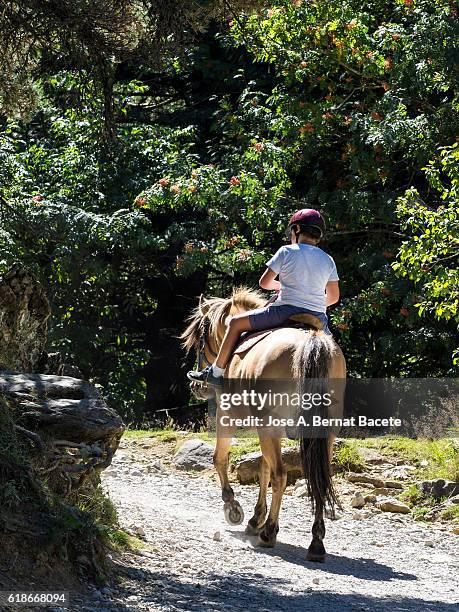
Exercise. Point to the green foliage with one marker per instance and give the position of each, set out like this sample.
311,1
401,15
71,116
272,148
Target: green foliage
361,102
441,456
92,39
429,257
451,513
346,458
337,106
165,435
73,220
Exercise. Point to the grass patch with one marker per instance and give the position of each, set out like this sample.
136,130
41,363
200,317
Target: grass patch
121,540
419,512
412,495
164,435
346,458
442,456
451,513
244,447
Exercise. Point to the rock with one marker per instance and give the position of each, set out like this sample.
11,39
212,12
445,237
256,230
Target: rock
370,499
424,463
393,484
301,491
316,581
157,466
358,500
382,491
31,387
429,543
407,467
455,530
86,420
139,531
299,483
402,472
66,420
455,499
217,537
247,469
194,455
440,488
391,504
369,455
365,478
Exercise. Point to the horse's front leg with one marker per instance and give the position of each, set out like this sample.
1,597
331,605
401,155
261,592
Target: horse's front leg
232,508
259,514
271,449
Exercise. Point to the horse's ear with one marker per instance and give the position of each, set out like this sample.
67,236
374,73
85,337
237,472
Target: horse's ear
202,306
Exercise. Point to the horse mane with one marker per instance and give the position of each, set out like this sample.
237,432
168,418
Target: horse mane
214,310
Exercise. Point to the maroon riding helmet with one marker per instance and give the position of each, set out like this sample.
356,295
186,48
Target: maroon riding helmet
307,218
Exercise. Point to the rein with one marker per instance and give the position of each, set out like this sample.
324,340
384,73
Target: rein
202,359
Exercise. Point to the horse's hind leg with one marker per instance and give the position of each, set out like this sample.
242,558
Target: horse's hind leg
271,449
256,522
232,509
316,550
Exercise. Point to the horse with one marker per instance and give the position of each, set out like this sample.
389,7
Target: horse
287,353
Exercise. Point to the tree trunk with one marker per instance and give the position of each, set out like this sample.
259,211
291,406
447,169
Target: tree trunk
24,313
168,392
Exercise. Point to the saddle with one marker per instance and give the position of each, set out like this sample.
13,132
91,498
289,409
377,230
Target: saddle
302,320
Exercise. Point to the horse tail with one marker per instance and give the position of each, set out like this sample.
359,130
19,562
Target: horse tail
311,364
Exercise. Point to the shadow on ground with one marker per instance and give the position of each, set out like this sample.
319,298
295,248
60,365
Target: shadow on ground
244,592
364,569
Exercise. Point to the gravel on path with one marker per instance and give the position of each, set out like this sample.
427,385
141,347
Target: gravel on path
193,560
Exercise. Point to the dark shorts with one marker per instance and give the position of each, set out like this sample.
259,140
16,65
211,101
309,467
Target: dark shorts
273,316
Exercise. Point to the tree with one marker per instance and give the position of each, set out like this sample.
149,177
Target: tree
92,38
429,256
330,105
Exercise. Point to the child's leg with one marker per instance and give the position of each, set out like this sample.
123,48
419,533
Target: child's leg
236,325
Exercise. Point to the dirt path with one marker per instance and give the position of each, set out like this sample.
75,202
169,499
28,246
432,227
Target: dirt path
386,562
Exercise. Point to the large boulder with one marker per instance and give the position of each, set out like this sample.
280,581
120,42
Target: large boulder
390,504
247,468
366,479
24,314
194,455
73,433
440,488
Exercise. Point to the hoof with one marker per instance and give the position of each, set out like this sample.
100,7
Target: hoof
250,530
234,515
270,543
316,558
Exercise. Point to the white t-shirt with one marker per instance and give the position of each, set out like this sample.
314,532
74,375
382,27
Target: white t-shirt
304,271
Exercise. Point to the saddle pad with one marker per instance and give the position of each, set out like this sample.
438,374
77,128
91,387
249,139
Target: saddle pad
307,319
249,340
304,321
